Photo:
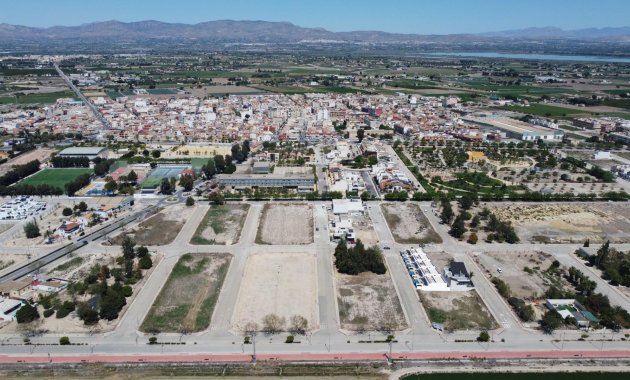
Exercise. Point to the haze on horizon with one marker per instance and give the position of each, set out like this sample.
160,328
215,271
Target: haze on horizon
402,16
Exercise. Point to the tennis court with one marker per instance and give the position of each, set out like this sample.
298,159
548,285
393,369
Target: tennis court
154,178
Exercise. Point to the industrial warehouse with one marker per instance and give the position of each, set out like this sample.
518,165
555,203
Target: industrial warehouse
518,130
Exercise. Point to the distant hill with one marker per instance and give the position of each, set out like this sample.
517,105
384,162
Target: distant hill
229,31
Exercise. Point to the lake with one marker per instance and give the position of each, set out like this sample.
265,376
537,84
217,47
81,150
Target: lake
540,57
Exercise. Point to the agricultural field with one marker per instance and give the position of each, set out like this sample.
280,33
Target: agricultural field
548,111
408,224
160,229
221,225
55,177
281,284
457,310
568,223
187,300
368,302
286,223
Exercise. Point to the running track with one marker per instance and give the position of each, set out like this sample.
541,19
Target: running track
6,359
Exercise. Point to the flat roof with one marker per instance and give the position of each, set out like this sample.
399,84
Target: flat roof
83,150
265,176
512,125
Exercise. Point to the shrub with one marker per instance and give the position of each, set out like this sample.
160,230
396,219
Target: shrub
290,339
146,262
64,341
67,211
472,239
31,229
48,313
26,314
190,201
153,340
483,337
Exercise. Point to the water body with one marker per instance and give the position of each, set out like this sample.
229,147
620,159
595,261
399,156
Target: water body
538,57
520,376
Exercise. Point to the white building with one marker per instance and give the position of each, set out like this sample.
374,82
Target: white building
424,274
601,155
345,206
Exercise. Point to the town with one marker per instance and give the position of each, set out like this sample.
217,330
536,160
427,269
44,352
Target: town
219,207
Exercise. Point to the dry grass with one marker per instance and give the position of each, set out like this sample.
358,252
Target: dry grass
457,310
368,302
286,223
221,225
187,300
408,224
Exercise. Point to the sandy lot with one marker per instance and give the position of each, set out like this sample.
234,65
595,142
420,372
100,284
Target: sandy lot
408,223
38,154
364,229
160,229
286,223
457,310
368,302
284,284
523,284
187,300
568,223
221,225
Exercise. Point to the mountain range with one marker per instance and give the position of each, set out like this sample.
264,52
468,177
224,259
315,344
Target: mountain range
265,32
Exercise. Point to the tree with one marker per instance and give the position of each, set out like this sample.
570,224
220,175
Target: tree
551,321
360,134
458,228
145,262
187,182
299,325
82,206
110,186
64,341
31,229
66,211
447,213
190,201
87,314
483,337
365,196
132,176
27,313
146,153
216,198
273,324
472,239
156,154
219,163
466,201
165,187
209,170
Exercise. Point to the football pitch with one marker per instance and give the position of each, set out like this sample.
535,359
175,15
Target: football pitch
54,177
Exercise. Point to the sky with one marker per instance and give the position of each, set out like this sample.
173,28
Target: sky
399,16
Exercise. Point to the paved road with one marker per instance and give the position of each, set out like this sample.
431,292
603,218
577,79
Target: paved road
418,340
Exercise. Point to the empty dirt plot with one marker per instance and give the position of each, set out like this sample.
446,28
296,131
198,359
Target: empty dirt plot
187,300
286,223
41,154
364,229
568,223
368,302
408,224
160,229
457,310
221,225
284,284
526,273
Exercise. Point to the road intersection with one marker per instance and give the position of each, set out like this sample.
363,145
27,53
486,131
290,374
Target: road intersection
419,339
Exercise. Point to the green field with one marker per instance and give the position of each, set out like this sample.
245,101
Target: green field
546,110
518,376
54,177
